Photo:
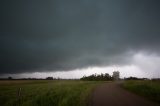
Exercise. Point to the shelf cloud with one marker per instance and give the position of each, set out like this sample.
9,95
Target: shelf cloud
63,35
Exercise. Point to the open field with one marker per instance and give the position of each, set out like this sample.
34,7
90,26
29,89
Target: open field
77,93
148,89
45,93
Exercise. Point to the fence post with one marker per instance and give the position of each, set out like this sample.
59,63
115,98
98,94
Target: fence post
19,96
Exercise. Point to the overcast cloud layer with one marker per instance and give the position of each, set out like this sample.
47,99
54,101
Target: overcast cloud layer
62,35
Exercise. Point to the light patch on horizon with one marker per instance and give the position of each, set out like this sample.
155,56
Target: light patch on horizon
125,71
143,65
149,63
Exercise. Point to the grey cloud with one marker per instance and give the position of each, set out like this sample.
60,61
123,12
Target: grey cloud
63,35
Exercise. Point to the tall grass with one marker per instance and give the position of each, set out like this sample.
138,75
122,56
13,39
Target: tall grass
148,89
46,93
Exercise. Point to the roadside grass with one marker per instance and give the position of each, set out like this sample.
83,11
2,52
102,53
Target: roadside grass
148,89
46,93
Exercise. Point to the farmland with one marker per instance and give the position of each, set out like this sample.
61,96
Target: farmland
46,92
147,89
76,92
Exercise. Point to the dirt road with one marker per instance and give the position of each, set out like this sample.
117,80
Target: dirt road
111,94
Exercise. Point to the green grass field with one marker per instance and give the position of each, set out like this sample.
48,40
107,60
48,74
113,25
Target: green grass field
148,89
46,93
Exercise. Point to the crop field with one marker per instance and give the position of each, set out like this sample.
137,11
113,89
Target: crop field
46,92
148,89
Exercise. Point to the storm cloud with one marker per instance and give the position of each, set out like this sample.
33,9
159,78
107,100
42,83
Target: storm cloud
62,35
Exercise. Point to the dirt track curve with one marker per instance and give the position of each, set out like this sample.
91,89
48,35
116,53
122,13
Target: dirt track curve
111,94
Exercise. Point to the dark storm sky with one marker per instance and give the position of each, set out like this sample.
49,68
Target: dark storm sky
56,35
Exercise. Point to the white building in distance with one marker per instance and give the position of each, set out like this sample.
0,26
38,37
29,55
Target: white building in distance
116,75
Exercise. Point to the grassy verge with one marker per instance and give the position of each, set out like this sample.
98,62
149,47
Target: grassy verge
46,93
148,89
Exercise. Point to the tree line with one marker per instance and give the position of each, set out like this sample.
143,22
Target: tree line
98,77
